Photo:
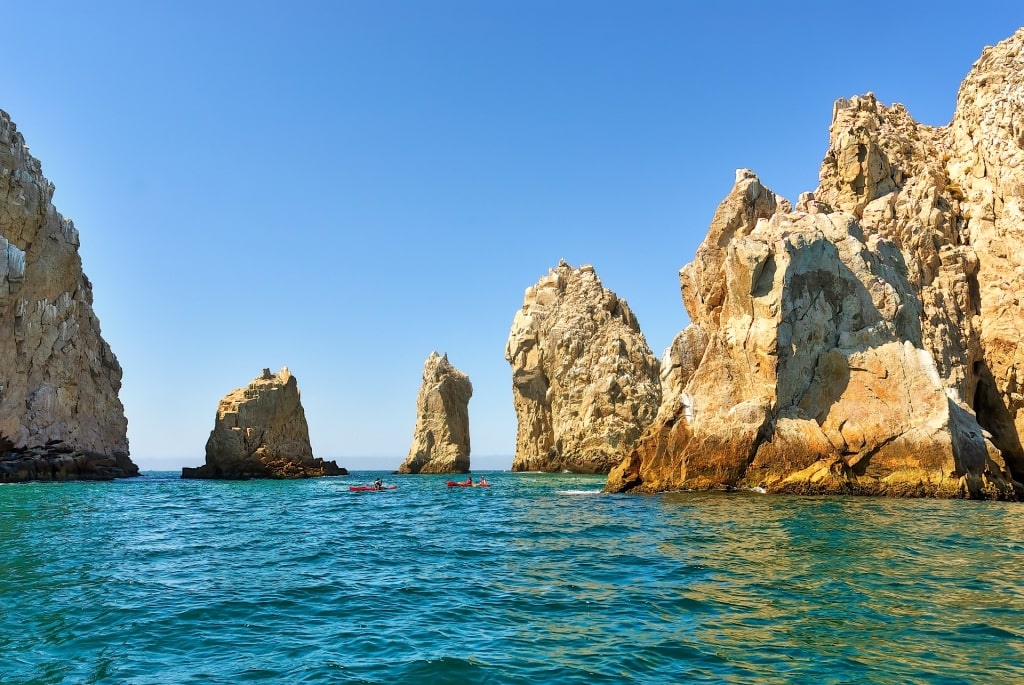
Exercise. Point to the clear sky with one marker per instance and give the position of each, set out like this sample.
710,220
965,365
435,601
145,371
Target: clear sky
342,187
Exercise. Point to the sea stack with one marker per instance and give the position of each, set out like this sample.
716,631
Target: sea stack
868,340
60,415
585,384
440,442
261,432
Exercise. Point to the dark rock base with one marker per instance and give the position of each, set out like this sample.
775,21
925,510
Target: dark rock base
58,461
315,468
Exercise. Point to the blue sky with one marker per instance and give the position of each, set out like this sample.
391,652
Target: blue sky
343,187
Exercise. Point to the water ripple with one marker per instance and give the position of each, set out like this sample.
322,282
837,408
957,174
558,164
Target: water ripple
540,578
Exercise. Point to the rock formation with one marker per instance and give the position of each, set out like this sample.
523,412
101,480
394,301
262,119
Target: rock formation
60,415
869,340
585,383
261,432
440,442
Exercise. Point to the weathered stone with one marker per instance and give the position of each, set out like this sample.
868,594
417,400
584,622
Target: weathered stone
59,378
585,384
440,442
869,341
261,432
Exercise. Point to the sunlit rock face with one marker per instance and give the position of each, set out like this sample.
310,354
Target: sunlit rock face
60,415
867,340
440,441
261,432
585,383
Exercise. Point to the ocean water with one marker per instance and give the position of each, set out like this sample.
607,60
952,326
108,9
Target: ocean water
538,579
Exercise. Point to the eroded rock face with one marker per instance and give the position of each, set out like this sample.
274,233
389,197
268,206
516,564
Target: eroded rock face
867,341
261,432
585,383
440,442
60,415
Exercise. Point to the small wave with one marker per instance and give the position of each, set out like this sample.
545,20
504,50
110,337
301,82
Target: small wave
579,492
758,489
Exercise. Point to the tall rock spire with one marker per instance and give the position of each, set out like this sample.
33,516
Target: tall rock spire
440,442
585,383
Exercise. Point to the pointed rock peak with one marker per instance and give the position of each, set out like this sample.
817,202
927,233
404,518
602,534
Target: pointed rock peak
441,436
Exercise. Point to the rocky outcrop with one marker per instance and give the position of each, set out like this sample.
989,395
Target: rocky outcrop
440,442
261,432
585,383
60,415
866,341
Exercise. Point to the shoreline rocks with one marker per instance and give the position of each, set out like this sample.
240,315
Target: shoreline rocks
261,432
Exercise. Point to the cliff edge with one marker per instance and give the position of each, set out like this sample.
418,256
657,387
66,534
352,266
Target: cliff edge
60,415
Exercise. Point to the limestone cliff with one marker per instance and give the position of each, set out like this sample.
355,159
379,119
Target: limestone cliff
585,383
60,415
868,340
261,432
440,442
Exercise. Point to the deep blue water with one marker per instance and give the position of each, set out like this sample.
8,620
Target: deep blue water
539,579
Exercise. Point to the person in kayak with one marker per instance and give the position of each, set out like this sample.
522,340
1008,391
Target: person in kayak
469,480
483,481
378,484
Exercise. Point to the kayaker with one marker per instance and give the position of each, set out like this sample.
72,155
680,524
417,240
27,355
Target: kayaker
378,484
469,480
483,481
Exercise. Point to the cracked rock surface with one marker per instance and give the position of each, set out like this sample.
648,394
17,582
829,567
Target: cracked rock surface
867,339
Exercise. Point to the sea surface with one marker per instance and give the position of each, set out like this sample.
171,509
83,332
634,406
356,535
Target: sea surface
537,579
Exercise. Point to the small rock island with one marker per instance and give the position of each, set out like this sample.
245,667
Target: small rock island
261,432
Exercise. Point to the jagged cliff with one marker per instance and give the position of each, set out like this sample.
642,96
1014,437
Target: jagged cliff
60,415
440,442
866,340
261,432
585,383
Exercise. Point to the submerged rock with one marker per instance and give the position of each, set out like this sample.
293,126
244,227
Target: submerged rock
440,442
60,414
585,383
261,432
867,341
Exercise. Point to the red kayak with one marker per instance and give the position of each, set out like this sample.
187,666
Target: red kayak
364,488
462,484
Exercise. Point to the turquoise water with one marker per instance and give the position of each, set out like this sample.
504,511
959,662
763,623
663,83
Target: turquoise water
539,579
